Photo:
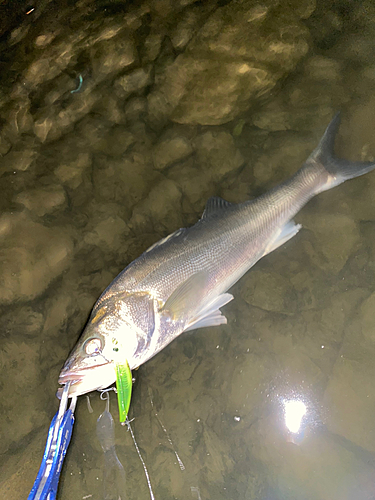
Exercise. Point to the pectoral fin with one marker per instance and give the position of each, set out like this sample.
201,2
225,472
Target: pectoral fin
187,296
210,315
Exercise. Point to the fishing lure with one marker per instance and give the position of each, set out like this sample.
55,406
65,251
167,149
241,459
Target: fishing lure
123,381
124,389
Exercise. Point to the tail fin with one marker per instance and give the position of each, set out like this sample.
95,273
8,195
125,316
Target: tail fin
339,170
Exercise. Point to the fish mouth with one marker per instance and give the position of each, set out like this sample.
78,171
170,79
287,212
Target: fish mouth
87,379
70,377
75,376
75,371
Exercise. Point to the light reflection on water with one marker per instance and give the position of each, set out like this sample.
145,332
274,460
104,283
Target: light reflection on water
294,412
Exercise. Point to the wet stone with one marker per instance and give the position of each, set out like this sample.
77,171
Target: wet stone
283,154
161,210
251,381
27,322
195,183
18,119
115,141
269,291
51,63
336,236
111,109
133,82
50,124
126,181
18,160
348,402
42,201
185,370
72,173
320,81
368,318
217,154
135,108
189,24
19,472
20,361
112,56
218,460
108,233
205,86
32,256
152,46
44,40
5,146
323,69
171,150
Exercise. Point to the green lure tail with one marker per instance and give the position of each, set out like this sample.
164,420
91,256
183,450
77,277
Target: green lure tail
124,389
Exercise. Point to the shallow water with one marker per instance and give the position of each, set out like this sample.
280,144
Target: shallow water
90,179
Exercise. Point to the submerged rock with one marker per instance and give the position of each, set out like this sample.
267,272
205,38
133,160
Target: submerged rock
19,159
338,236
269,291
19,472
133,82
217,154
349,401
173,147
42,201
32,256
28,321
368,318
20,361
71,173
237,56
160,211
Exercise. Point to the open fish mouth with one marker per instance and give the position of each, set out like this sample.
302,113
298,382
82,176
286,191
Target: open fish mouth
75,376
87,379
70,377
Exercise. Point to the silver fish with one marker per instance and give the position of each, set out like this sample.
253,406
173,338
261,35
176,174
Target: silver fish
181,282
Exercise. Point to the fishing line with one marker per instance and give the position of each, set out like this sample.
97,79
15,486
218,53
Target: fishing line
141,459
89,407
103,394
180,463
114,477
195,489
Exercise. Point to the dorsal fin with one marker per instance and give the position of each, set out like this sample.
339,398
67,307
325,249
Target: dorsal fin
164,240
214,205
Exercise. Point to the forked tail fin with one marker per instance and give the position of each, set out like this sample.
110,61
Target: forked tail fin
339,170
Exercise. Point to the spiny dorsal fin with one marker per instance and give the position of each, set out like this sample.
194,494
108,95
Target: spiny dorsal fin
167,238
215,204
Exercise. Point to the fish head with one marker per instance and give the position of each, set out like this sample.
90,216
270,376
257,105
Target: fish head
109,337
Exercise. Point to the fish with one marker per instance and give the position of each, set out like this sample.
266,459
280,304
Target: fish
181,282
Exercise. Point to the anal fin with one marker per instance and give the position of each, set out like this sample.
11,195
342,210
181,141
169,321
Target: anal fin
285,234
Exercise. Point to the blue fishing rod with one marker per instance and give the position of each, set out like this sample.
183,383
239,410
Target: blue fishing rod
59,435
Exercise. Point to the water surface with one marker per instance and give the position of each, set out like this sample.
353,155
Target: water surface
118,122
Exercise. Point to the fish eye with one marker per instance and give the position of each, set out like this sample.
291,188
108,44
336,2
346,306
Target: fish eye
93,346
